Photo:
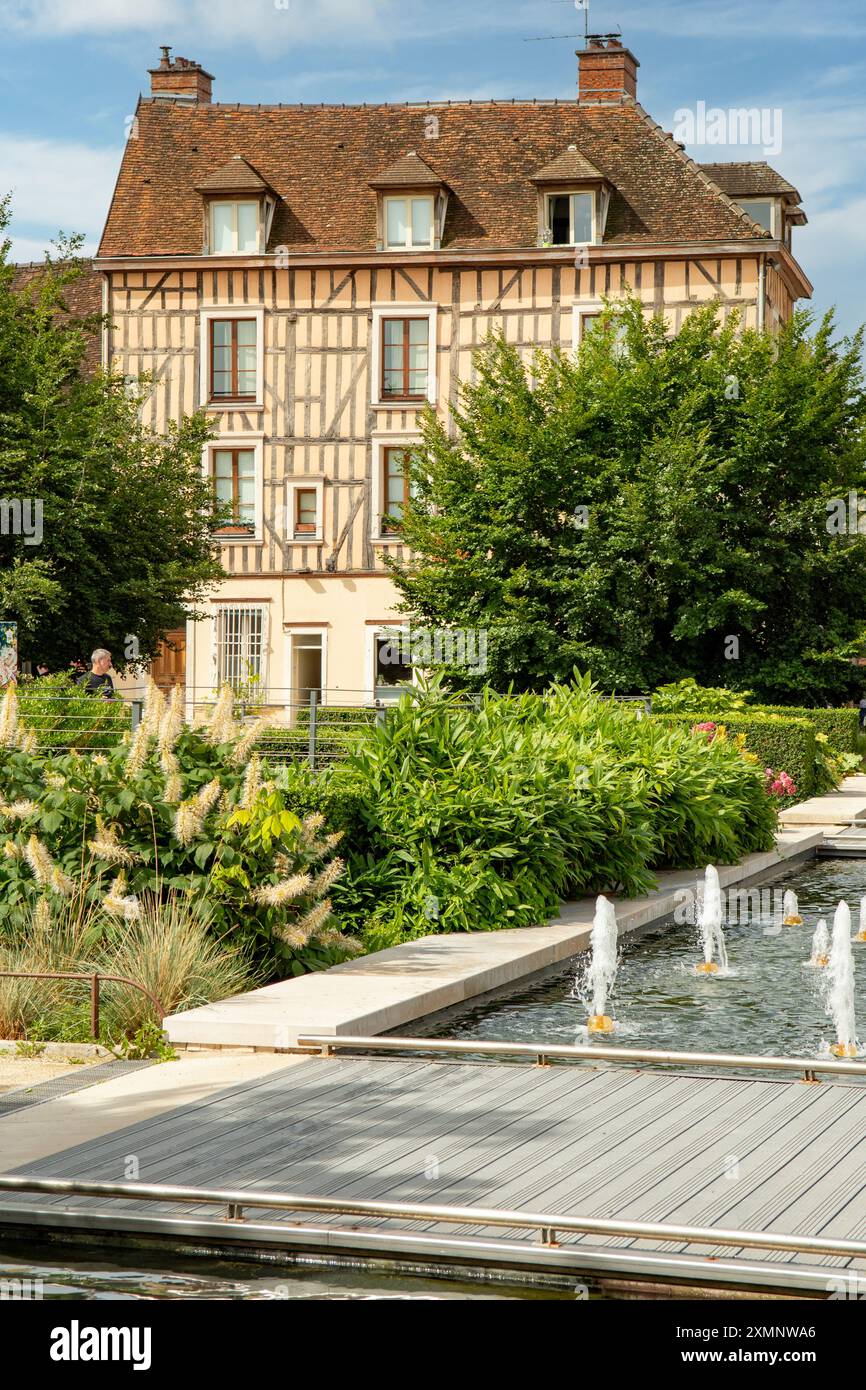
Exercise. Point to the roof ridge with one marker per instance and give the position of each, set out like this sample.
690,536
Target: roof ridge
674,145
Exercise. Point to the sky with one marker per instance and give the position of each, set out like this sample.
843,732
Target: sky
71,72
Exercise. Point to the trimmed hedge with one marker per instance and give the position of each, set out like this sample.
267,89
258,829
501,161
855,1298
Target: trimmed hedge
840,725
782,742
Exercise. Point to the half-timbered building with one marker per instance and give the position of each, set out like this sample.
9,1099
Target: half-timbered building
312,276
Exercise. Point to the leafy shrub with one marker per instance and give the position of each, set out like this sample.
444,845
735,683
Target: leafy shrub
780,742
687,697
173,809
478,818
840,725
65,716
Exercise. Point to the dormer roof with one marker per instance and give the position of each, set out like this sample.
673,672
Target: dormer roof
409,171
569,167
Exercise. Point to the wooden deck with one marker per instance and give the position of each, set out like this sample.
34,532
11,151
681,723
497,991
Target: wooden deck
609,1141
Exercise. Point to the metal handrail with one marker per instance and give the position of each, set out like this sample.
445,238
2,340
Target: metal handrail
543,1052
236,1200
93,978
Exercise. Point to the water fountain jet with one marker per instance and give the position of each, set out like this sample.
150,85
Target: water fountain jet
820,956
840,985
602,966
791,910
710,922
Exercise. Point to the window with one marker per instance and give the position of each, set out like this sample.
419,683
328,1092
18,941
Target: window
761,210
233,359
586,320
234,228
570,218
306,510
388,662
234,479
395,486
405,356
409,222
240,646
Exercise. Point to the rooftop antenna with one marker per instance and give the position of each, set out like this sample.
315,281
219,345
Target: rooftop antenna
580,6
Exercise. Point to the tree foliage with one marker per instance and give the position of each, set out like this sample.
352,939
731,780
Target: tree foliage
126,515
654,508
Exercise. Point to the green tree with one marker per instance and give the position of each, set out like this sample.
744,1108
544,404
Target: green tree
117,519
654,508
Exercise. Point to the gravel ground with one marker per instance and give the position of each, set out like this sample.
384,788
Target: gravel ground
16,1070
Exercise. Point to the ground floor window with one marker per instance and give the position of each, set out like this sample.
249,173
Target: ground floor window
241,647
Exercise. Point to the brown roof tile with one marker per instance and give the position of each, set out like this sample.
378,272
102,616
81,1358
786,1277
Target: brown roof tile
749,179
408,172
235,177
568,166
321,160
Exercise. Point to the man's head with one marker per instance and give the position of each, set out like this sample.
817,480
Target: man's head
100,661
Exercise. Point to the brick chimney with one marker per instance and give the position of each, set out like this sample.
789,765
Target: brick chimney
607,71
180,79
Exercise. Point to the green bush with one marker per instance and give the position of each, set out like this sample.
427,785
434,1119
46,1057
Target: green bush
687,697
173,809
480,818
840,725
785,744
64,716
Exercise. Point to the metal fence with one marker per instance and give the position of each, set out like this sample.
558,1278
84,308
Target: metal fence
314,726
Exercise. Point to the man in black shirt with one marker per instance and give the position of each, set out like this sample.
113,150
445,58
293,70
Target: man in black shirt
97,681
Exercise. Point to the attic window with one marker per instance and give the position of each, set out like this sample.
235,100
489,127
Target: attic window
570,219
234,228
761,210
409,223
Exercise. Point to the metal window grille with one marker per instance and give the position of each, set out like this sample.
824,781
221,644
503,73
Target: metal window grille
240,646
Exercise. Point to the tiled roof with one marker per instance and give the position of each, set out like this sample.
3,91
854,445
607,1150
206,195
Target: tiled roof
82,297
568,166
408,172
235,177
747,179
321,160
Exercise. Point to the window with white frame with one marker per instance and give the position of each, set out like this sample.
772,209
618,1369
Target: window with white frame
410,223
388,661
235,228
232,358
569,218
403,366
392,485
586,319
241,647
305,511
763,211
233,464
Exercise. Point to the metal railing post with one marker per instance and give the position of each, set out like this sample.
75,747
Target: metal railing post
137,707
94,1007
313,725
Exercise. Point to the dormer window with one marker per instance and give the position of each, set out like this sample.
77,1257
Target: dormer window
573,198
570,218
409,222
412,201
238,210
764,211
234,229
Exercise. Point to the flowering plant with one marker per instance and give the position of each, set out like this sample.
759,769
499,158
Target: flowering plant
171,809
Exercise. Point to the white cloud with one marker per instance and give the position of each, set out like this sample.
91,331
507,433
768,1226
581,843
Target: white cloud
194,22
57,184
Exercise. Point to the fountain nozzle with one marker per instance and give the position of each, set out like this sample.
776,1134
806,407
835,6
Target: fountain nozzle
599,1023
